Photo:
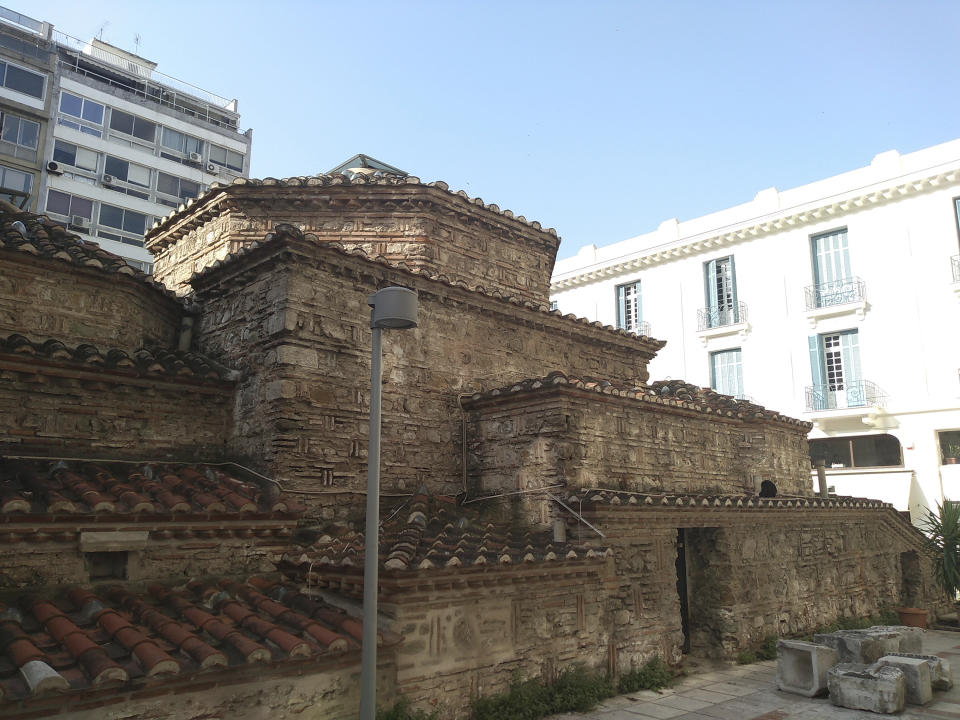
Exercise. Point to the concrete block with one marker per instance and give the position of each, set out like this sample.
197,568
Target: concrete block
877,688
916,673
940,675
854,646
802,667
911,638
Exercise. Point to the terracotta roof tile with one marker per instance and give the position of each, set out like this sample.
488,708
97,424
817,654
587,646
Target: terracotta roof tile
588,499
80,640
77,488
434,532
46,239
670,393
144,362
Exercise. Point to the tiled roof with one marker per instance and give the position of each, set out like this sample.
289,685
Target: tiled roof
339,179
144,362
587,498
80,639
433,532
671,393
77,488
284,230
37,235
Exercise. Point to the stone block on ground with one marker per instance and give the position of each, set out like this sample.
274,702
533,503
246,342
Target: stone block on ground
940,676
911,638
802,667
877,688
916,673
854,646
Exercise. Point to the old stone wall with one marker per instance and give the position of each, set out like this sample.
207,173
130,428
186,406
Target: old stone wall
476,639
582,439
299,325
50,410
425,227
53,299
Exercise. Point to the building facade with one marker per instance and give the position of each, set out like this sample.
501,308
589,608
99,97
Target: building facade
103,143
837,301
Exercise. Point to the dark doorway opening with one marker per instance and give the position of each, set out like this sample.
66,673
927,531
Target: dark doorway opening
682,587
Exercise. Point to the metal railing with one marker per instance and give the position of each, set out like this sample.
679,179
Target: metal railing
843,396
714,317
146,83
955,266
837,292
642,328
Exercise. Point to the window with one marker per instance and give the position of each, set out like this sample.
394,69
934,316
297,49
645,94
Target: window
125,221
835,369
834,284
88,114
106,565
127,171
63,204
857,451
629,310
949,441
19,136
226,158
21,80
177,187
132,125
726,372
180,143
17,180
80,157
554,305
721,292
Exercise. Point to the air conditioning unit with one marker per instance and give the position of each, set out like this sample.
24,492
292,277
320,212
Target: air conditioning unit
196,157
79,221
108,179
54,167
213,168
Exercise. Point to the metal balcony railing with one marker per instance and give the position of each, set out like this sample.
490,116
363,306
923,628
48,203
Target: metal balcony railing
837,292
642,328
955,265
843,396
714,317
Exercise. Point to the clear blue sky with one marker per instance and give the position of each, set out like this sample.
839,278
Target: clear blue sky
600,119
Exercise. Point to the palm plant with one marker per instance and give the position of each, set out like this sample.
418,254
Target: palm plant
943,529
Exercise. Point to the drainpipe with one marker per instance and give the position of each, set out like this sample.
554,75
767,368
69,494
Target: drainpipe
186,333
821,466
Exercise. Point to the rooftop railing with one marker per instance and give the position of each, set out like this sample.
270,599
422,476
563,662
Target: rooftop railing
845,396
837,292
714,317
955,266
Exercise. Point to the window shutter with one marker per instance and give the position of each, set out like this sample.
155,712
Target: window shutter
733,290
622,306
710,282
816,361
851,356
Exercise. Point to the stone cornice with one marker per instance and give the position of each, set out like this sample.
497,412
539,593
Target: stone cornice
767,224
339,190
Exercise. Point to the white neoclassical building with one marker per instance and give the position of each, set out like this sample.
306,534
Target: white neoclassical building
837,302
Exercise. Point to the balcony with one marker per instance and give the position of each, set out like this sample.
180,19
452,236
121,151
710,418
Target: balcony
720,321
859,395
839,297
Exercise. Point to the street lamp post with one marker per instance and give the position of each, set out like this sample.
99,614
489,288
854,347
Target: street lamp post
393,308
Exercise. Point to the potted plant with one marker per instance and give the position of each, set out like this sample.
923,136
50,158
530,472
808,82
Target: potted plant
943,531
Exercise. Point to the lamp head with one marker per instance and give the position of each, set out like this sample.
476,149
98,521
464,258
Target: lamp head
393,308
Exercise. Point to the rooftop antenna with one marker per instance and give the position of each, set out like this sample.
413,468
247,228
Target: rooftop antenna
102,28
136,44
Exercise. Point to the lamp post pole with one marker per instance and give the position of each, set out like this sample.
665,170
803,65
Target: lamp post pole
391,308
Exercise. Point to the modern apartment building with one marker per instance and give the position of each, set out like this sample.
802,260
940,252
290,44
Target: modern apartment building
837,302
101,141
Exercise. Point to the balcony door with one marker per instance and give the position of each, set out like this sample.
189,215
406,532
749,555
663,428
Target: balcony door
831,269
721,289
835,368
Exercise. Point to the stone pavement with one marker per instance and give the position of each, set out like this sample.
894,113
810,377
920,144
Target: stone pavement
718,691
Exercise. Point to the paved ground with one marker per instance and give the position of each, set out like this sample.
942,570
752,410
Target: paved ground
748,692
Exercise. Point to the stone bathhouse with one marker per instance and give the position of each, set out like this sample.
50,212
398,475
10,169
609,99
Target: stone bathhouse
184,461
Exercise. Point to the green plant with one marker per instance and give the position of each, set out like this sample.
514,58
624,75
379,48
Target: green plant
768,650
943,531
653,675
401,710
746,657
575,690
